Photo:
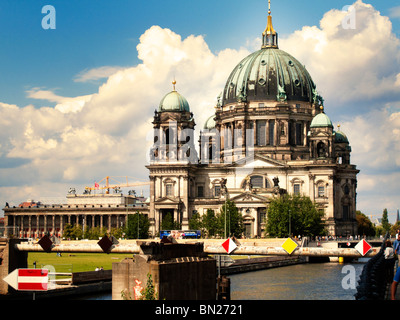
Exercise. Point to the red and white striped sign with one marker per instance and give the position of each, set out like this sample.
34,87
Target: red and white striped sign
28,279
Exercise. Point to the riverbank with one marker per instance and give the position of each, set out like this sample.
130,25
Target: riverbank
255,264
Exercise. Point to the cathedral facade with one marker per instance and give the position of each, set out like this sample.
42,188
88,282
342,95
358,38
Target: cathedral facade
269,134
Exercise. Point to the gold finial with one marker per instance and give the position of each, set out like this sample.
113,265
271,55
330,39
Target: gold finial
270,36
174,83
338,126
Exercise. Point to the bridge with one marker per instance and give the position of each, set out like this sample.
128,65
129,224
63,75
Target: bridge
260,247
190,254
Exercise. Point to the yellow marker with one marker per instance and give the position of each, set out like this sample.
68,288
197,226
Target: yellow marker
289,245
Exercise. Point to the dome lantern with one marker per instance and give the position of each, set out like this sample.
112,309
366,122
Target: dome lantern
269,36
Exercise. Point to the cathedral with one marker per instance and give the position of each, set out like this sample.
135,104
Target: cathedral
267,135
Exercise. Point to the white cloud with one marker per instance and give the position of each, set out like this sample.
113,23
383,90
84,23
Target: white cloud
83,139
96,73
349,64
64,104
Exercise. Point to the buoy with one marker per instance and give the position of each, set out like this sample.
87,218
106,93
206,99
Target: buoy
341,260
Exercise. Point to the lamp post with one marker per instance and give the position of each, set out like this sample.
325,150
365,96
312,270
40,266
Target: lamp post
226,198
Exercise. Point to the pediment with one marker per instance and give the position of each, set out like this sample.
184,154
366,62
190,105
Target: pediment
167,200
249,197
259,161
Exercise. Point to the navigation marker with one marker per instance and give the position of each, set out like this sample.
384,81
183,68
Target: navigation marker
229,245
289,245
363,247
28,279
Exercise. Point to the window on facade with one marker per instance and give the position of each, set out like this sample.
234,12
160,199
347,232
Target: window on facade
217,191
271,132
296,189
200,191
321,191
298,134
169,190
321,150
167,136
257,181
261,138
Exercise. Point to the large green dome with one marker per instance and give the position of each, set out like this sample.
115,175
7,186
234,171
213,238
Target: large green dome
174,102
269,74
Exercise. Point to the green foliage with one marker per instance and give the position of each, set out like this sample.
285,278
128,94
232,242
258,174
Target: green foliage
73,232
210,223
137,226
149,292
95,233
385,221
168,223
195,222
365,226
234,221
207,223
294,212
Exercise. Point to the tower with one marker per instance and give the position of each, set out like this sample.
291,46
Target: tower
172,158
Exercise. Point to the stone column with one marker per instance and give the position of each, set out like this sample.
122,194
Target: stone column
29,226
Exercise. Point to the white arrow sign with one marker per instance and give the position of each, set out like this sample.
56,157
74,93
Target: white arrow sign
28,279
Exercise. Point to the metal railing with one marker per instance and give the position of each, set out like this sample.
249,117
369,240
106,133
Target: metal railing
374,277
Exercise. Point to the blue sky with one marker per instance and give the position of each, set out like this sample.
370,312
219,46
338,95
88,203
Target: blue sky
92,34
75,101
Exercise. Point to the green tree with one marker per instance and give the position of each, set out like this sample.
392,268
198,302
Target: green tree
210,223
385,221
68,231
295,213
95,233
229,213
195,222
168,222
365,226
137,226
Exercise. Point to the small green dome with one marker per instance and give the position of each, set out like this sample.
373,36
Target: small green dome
174,102
321,121
340,137
210,123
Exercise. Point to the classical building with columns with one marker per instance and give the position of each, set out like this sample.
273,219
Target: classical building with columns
34,219
269,134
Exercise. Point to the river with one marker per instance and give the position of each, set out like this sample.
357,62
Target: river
310,281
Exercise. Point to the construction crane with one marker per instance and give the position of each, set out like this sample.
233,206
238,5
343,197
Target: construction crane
117,184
